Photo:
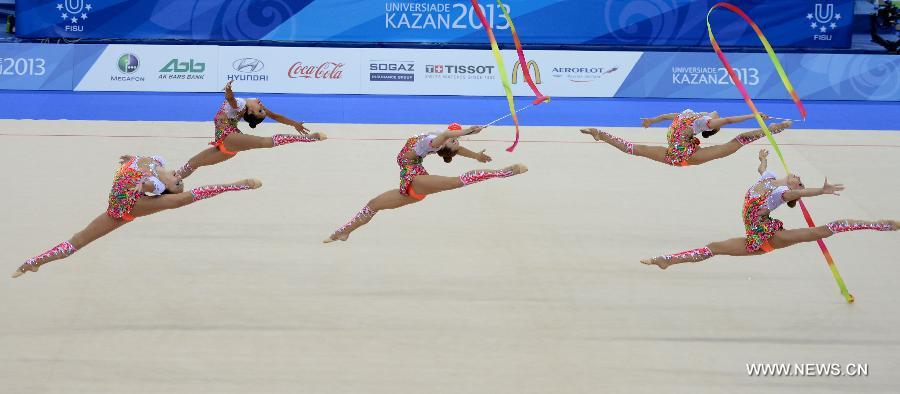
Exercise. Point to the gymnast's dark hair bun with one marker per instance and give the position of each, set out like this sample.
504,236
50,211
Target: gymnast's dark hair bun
447,154
709,133
792,203
252,120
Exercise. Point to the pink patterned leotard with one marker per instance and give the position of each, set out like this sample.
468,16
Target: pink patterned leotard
226,120
761,199
411,168
128,182
681,137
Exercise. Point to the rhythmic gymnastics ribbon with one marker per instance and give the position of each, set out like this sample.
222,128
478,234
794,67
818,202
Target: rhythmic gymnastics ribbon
787,84
502,68
539,97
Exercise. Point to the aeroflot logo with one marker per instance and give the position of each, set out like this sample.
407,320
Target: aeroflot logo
532,66
248,65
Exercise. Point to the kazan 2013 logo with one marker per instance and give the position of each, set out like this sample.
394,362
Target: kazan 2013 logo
72,12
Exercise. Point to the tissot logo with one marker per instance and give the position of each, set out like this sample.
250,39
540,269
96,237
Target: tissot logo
457,69
248,65
459,72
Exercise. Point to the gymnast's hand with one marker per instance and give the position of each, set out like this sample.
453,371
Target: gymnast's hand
483,157
301,128
832,189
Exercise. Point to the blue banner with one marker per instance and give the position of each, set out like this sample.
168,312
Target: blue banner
35,67
814,76
787,23
269,69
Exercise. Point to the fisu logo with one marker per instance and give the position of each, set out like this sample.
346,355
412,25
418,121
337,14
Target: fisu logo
824,12
72,12
823,19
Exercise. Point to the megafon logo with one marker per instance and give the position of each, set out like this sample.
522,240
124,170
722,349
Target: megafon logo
176,66
73,11
532,66
822,20
128,63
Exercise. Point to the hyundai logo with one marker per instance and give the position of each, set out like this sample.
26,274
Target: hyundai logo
248,65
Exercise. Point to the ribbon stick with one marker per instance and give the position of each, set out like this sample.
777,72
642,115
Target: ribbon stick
787,84
508,115
792,120
539,97
502,68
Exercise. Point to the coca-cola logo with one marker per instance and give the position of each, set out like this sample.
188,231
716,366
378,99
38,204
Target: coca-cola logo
326,70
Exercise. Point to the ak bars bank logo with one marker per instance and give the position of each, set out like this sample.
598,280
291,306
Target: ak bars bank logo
73,14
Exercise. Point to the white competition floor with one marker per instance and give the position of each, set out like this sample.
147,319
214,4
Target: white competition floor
530,284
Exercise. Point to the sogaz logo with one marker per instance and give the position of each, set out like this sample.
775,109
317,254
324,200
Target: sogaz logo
392,70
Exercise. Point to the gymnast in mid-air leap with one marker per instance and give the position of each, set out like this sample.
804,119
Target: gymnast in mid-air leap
765,234
229,140
416,183
684,147
142,186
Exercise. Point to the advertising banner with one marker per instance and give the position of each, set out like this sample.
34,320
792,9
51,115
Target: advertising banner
787,23
35,67
291,70
159,68
433,72
814,76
